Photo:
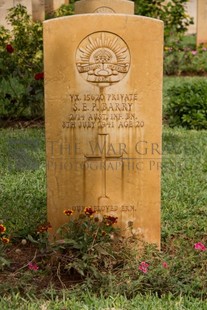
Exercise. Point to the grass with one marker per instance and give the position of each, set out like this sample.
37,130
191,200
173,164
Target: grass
189,41
87,302
184,186
22,182
184,198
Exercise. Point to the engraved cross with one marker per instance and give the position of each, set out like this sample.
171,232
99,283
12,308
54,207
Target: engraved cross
103,157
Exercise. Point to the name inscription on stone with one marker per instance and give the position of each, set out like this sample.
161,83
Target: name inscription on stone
102,111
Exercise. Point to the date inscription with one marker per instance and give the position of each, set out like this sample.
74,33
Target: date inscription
90,111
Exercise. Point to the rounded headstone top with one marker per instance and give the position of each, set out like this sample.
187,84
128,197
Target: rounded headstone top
104,7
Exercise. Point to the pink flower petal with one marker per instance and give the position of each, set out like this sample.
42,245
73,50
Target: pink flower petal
199,246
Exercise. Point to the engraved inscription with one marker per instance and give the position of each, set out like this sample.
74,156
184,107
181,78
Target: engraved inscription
103,58
102,111
104,9
106,208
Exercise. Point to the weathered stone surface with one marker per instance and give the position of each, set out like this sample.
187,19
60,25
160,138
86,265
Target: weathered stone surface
104,6
4,6
26,3
52,5
38,10
103,94
201,22
191,9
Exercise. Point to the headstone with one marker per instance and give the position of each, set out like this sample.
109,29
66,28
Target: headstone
48,6
191,9
57,3
104,6
103,93
5,5
38,10
52,5
202,22
26,3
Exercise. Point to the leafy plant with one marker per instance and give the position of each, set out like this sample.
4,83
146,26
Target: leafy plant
173,14
21,86
89,245
64,10
183,58
187,105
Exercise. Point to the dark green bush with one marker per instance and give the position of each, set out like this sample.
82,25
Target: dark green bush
187,105
21,65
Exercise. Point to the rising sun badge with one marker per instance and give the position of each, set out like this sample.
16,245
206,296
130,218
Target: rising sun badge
103,58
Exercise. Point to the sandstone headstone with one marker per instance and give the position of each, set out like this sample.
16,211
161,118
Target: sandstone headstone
26,3
191,9
103,93
104,6
52,5
4,6
38,10
201,22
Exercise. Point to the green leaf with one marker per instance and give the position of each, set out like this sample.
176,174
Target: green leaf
31,239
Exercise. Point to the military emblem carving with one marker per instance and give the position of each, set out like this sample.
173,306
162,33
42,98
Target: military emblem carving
104,9
103,58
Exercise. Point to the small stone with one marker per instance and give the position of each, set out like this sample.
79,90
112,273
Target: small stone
24,241
18,251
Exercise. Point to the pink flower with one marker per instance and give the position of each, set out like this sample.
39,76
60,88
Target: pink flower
204,49
199,246
143,267
193,52
33,266
164,265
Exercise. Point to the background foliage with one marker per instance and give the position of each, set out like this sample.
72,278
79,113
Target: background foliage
21,87
187,105
173,14
21,54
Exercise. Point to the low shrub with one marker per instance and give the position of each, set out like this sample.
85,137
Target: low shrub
187,105
21,65
183,58
91,253
64,10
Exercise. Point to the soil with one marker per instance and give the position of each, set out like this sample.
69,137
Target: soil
21,123
19,278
